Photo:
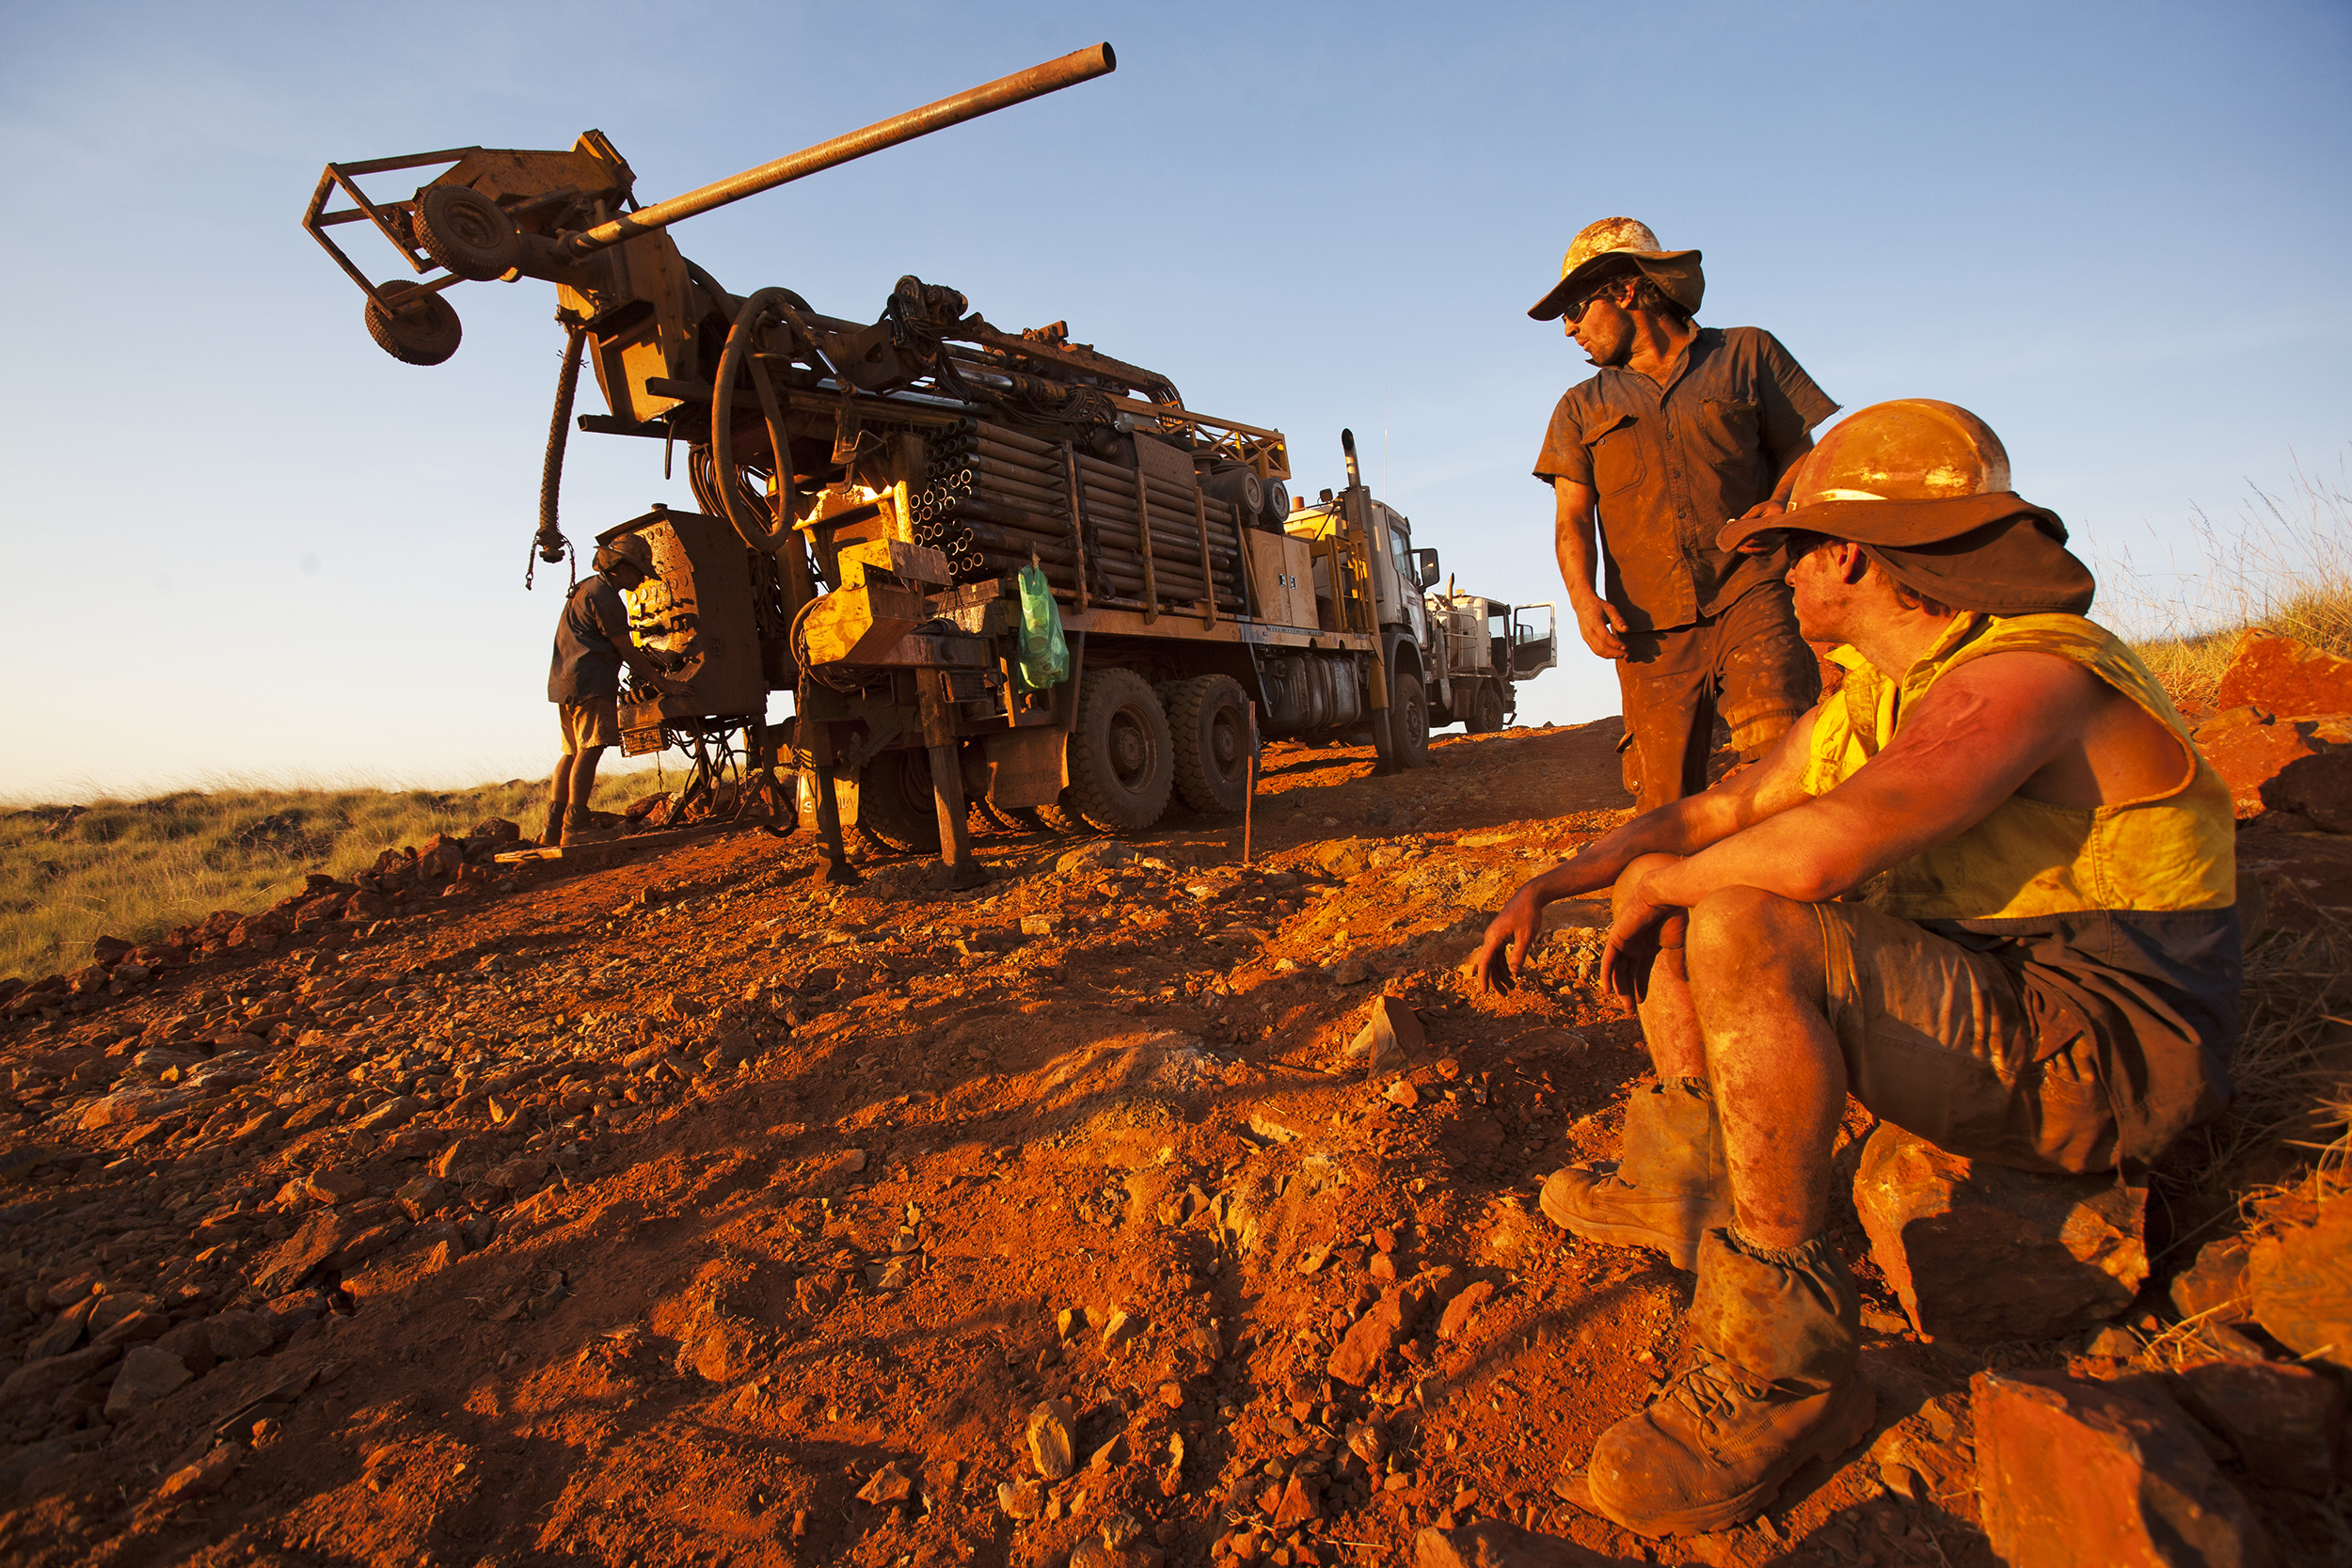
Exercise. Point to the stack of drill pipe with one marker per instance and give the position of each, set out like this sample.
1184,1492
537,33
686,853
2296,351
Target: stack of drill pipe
991,496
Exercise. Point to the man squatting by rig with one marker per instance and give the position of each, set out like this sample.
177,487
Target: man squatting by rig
1681,427
1988,887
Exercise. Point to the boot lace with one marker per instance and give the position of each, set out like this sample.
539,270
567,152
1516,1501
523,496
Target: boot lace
1713,1391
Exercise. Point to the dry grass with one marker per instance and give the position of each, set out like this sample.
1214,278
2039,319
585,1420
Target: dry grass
137,868
2283,561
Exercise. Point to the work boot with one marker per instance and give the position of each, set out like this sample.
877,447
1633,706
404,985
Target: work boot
1668,1189
578,830
552,834
1776,1385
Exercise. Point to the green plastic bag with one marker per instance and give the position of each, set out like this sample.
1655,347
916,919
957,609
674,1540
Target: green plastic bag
1045,657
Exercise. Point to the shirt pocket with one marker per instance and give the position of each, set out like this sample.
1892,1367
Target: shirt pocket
1618,464
1727,429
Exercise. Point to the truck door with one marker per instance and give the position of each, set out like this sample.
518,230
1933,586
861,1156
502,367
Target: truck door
1533,649
1408,609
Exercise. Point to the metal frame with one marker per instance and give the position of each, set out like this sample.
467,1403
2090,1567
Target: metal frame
318,220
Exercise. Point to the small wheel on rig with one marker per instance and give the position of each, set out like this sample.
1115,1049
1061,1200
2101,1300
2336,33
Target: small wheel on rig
1210,719
423,330
1486,714
895,814
466,233
1123,759
1409,721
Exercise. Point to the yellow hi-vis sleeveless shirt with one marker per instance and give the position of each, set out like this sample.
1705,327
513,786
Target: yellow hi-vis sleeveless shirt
2119,920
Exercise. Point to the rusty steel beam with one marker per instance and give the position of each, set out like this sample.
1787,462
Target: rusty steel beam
1081,66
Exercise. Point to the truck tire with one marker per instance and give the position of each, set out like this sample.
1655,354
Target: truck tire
1409,721
1123,759
1210,719
1062,817
894,812
1485,712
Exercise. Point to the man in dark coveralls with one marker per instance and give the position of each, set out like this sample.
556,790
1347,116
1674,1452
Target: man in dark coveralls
1685,428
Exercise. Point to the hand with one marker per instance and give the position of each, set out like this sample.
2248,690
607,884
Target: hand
1598,622
1495,967
1642,927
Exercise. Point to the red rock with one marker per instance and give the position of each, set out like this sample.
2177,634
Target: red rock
2301,1284
1981,1253
291,1262
2285,1422
43,1380
1380,1330
109,950
1299,1504
2318,787
2248,748
2070,1473
1463,1307
2285,675
2214,1287
205,1476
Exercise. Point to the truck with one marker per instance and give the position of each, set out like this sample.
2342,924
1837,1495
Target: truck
1007,580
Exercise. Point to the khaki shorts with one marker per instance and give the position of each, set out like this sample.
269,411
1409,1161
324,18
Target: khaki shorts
1941,1041
590,724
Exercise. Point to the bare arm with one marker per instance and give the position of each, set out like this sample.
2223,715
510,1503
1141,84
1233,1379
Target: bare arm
1683,827
1576,537
1970,744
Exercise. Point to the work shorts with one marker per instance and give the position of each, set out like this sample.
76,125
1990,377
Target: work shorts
1941,1041
1745,662
589,724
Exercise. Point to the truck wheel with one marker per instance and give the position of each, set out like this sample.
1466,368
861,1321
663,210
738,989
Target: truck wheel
1123,759
1409,721
894,812
1486,714
1062,817
1210,720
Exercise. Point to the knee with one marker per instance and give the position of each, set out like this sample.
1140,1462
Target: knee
1631,878
1744,935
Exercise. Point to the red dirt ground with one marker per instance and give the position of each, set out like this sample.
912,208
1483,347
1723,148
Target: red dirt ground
657,1306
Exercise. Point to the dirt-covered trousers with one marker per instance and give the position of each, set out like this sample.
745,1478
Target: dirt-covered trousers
1746,663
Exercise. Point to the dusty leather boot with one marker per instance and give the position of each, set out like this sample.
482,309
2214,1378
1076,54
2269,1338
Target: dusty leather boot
1776,1385
1669,1188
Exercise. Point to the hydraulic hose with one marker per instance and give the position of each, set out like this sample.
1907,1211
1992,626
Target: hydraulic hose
550,540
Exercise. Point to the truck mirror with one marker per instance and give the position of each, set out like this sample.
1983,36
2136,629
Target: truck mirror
1429,559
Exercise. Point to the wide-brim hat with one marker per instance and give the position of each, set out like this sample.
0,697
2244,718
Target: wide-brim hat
1617,246
629,550
1923,486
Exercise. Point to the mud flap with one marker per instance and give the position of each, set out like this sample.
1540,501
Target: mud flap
1027,768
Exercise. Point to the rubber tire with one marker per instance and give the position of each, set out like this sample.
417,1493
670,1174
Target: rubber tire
894,811
1486,714
466,233
1122,756
1212,767
423,332
1062,817
1408,721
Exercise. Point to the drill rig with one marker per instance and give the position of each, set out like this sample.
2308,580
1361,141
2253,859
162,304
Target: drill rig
1007,579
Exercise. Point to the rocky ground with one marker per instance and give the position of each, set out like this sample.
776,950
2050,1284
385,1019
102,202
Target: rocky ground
686,1209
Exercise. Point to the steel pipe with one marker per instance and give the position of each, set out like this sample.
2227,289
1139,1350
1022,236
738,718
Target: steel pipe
1052,76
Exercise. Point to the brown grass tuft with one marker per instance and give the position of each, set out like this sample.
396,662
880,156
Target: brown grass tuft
2283,562
137,868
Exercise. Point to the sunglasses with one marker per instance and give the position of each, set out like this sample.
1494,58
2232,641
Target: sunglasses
1575,313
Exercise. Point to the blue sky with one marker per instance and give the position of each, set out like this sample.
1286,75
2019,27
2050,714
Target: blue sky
250,544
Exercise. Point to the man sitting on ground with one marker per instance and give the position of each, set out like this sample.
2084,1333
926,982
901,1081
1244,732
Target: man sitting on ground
1988,887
